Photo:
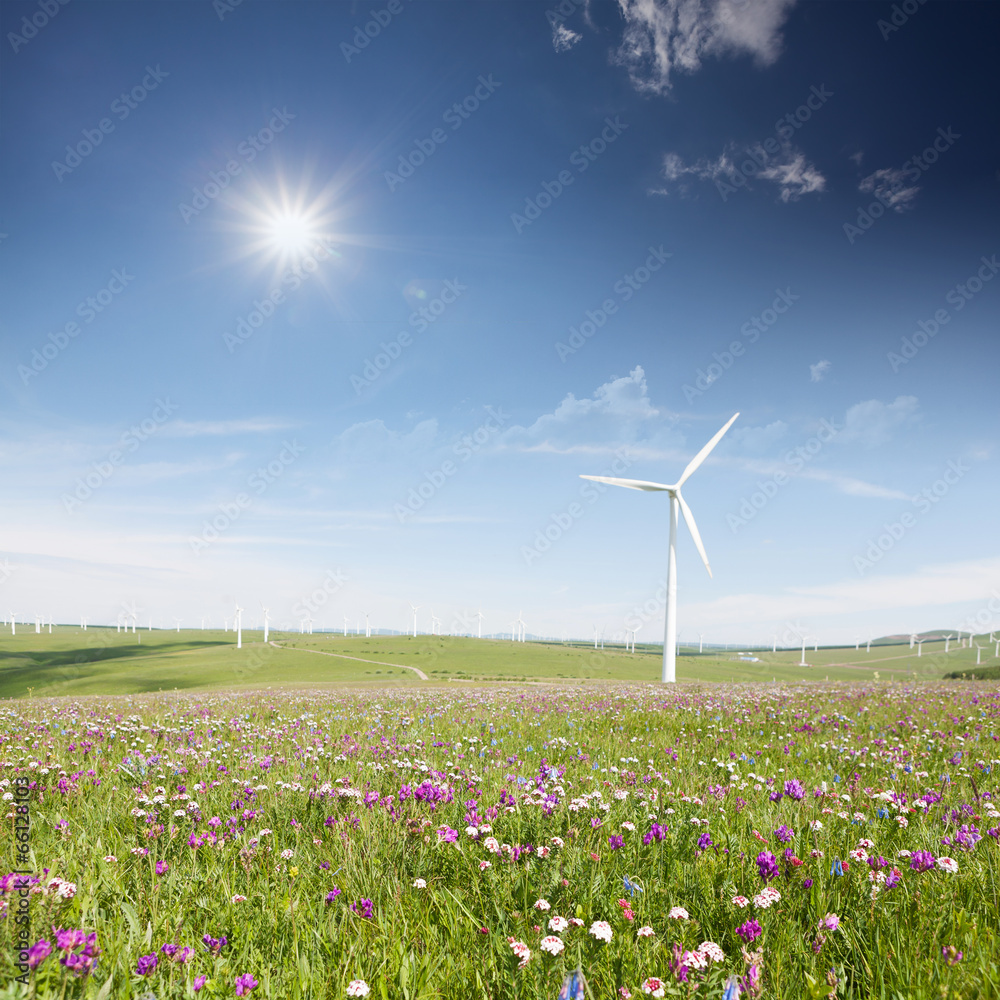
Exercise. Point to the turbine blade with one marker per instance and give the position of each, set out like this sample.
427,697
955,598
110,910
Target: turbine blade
703,454
693,528
630,484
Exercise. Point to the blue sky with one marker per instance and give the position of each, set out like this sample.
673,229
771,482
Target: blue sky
328,305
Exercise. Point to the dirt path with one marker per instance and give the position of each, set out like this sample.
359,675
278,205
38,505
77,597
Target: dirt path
344,656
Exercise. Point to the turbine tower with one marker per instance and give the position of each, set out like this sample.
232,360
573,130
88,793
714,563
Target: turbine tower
368,625
262,608
238,626
414,608
676,502
479,615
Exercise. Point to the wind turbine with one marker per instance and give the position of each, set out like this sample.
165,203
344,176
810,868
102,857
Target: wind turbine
368,626
238,626
177,622
803,661
479,615
513,634
265,610
595,636
920,647
701,643
636,629
13,623
868,648
414,608
947,640
83,624
676,502
979,654
774,642
435,622
50,624
38,623
347,622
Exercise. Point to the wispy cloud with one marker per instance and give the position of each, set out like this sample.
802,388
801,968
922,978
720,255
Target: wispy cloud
873,422
819,370
735,167
223,428
563,38
662,37
887,185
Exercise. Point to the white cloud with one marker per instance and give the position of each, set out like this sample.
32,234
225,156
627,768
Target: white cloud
760,439
619,412
665,36
888,186
789,169
372,439
818,370
218,428
873,422
563,39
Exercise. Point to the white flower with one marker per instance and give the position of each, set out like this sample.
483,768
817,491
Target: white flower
948,864
543,851
419,883
558,924
556,842
110,859
601,930
239,899
816,825
357,988
492,844
740,901
551,944
679,913
711,951
645,932
483,865
287,855
628,826
543,905
653,987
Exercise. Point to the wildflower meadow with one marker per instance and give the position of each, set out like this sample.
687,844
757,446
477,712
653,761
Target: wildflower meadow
611,842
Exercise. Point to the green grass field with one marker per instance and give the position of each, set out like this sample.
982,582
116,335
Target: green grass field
104,661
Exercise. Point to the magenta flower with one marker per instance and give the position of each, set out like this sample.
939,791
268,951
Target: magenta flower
749,931
199,982
332,895
244,984
162,868
615,841
38,952
364,908
922,861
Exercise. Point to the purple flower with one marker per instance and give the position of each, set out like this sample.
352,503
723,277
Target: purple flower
363,908
162,868
967,837
922,861
950,954
807,884
244,984
615,841
749,931
38,952
332,895
704,841
892,879
446,835
214,945
146,965
794,789
199,982
784,834
656,832
829,923
767,865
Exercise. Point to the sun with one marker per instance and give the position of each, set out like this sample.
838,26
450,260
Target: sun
291,233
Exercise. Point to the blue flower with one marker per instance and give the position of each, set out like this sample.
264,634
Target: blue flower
836,867
631,886
732,989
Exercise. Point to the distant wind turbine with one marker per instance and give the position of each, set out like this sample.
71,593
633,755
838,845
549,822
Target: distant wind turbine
521,627
238,626
479,615
13,624
265,611
414,608
177,622
676,502
368,625
947,641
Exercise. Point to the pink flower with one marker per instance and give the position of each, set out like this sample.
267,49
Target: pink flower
653,987
601,930
740,901
551,944
645,932
679,913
